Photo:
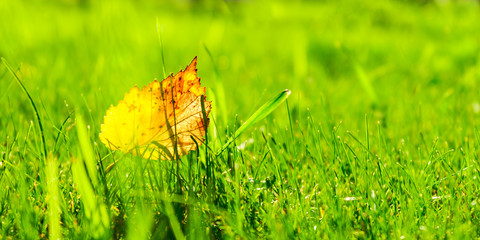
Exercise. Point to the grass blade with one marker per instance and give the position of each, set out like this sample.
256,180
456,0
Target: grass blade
87,150
219,89
366,83
160,41
54,229
31,102
174,223
95,209
140,224
291,129
260,114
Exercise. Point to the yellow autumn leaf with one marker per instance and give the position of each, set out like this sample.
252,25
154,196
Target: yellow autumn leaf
150,121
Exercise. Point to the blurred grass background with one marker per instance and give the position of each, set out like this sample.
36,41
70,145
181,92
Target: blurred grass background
413,66
410,52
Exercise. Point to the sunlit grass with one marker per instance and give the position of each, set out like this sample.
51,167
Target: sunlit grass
379,137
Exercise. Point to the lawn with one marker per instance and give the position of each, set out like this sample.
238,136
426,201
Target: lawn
379,137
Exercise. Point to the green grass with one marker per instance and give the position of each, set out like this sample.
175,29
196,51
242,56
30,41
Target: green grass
378,139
